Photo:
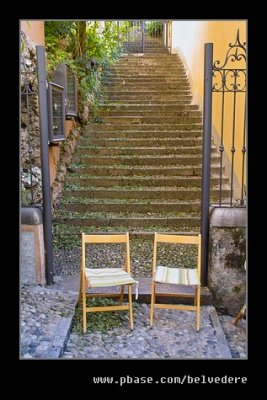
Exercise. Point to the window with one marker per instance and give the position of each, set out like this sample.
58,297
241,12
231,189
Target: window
56,112
64,76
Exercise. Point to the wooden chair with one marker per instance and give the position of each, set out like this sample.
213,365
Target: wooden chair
176,275
106,277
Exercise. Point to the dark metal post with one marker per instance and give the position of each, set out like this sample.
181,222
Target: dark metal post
143,36
205,199
43,118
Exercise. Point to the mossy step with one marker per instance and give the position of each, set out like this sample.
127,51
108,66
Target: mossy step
158,101
195,170
111,80
136,207
184,87
138,151
143,160
161,119
138,134
161,107
173,127
70,235
167,113
132,142
104,181
133,222
185,99
179,195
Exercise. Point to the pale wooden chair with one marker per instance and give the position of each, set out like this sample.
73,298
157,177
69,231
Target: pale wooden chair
106,277
176,275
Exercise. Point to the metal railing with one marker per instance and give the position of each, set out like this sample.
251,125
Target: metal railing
229,82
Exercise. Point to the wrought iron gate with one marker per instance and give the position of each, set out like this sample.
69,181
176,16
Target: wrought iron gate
141,36
227,81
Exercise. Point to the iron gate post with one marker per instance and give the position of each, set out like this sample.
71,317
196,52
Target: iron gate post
143,34
43,122
205,194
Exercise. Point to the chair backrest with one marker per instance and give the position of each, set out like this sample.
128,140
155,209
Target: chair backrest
105,238
177,239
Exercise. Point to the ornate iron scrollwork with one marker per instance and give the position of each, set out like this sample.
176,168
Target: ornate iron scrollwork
231,79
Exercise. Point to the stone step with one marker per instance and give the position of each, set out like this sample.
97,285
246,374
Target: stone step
142,119
111,80
152,142
105,101
146,91
146,233
139,134
137,193
104,181
160,107
138,151
184,87
140,171
133,222
135,207
117,113
131,129
144,160
134,57
126,97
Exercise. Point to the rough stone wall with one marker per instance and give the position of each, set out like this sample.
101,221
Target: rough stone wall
66,151
30,133
227,275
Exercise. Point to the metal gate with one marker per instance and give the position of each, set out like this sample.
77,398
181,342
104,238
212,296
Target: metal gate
142,36
225,103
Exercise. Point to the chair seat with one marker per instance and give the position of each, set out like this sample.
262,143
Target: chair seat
176,276
104,277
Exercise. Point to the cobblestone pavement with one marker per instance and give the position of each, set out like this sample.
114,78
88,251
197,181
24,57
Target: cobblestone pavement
45,318
173,336
235,335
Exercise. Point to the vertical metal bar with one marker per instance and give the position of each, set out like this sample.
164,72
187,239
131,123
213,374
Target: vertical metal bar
43,121
167,33
235,72
221,147
243,154
205,196
143,36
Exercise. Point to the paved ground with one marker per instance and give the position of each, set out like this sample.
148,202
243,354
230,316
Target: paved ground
46,316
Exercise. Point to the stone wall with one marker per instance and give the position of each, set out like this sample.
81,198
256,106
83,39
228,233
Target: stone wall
66,151
31,176
30,133
227,275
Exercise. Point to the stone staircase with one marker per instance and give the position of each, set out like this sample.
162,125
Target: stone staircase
138,166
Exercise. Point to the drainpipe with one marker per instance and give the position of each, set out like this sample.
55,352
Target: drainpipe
43,122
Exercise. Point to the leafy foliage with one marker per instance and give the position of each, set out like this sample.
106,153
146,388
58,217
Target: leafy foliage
88,52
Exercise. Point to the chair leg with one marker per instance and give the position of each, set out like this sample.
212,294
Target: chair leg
130,305
121,295
240,314
80,292
198,307
152,303
84,303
